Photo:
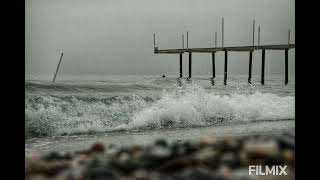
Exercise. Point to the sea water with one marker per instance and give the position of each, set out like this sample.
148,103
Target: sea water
86,108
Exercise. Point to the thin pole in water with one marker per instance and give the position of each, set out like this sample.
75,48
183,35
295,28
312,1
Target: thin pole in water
55,75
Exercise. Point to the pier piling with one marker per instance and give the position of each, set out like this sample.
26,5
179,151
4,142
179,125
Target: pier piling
286,66
262,65
190,64
225,67
213,66
180,65
250,67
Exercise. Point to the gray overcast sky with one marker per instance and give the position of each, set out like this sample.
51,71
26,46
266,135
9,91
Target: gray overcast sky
115,37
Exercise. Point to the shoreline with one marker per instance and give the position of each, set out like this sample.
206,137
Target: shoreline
84,141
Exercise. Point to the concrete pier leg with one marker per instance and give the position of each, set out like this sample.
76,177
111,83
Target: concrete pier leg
190,64
250,67
213,65
225,67
262,66
286,66
180,65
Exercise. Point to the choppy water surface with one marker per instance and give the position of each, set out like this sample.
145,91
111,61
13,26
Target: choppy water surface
95,104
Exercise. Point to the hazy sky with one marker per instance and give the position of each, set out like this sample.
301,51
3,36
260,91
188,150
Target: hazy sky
115,37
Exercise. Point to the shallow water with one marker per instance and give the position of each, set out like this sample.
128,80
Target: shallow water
84,141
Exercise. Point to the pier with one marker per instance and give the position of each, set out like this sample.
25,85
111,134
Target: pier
226,50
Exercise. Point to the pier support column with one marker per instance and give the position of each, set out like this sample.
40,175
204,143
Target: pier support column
250,67
262,65
286,66
190,63
180,65
225,67
213,65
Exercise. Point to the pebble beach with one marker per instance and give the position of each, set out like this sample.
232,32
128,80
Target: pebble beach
205,158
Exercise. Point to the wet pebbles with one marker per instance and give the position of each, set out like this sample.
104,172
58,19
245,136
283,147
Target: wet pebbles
208,158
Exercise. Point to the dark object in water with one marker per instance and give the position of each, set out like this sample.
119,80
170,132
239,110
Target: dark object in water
55,74
163,76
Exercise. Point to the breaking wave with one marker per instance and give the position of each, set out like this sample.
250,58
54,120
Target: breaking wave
185,106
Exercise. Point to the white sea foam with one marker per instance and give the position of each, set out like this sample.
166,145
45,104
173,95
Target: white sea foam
194,106
185,106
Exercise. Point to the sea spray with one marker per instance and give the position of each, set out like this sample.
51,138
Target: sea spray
188,105
194,106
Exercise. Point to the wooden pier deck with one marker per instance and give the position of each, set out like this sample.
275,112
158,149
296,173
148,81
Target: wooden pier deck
250,49
216,49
